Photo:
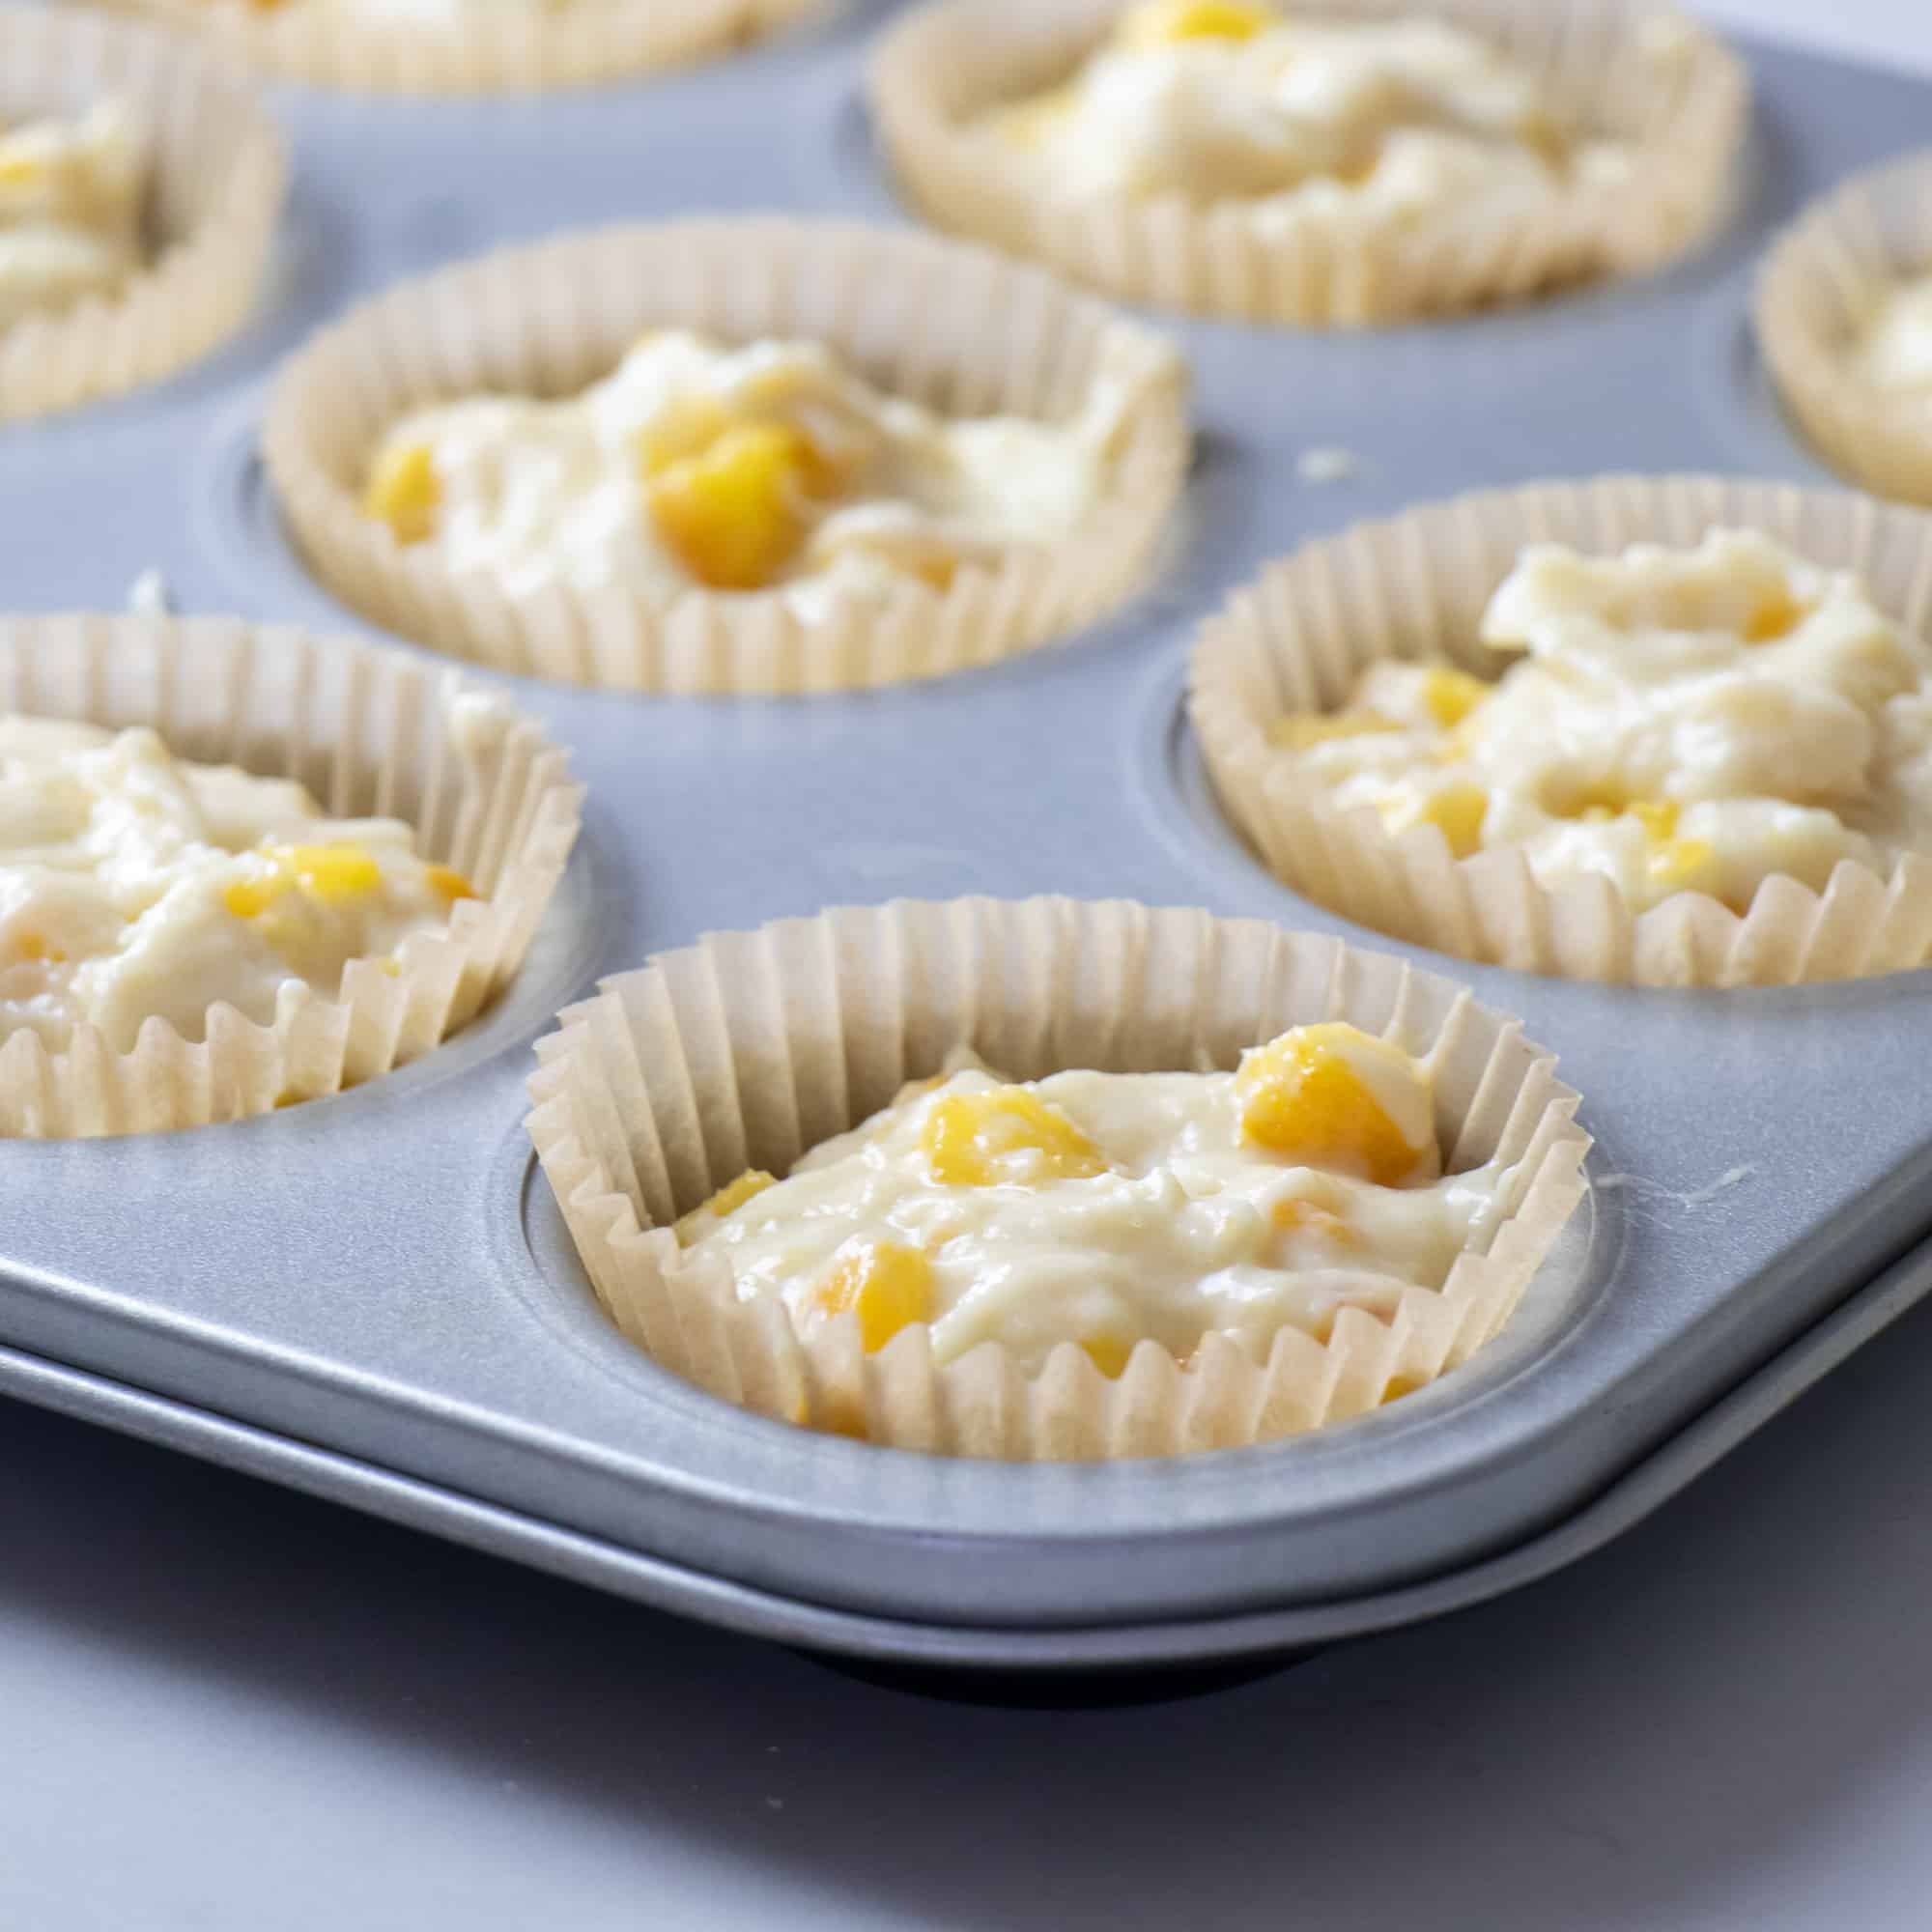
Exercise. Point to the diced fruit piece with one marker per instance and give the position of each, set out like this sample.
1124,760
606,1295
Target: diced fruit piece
1162,22
1452,695
733,515
1656,815
405,492
1681,864
1298,730
727,1200
686,426
335,874
887,1286
448,883
1108,1353
1458,812
1313,1096
1008,1136
332,874
1298,1216
1776,616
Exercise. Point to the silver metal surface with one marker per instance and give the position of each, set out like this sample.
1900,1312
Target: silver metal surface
381,1278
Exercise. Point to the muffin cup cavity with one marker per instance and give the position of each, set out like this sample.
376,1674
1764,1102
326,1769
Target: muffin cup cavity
1415,586
492,50
217,173
1819,287
953,326
369,733
1625,67
749,1048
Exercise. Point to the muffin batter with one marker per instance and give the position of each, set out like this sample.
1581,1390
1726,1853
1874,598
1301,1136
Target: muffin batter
1676,720
1374,120
694,465
70,195
1104,1210
137,886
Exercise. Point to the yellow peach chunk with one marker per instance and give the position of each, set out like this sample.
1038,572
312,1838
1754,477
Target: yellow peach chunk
887,1286
1160,24
1458,812
727,1201
1297,1216
1682,864
686,426
1450,695
405,492
335,873
1108,1353
1304,1095
1775,617
1007,1136
448,883
1656,815
733,516
1299,730
332,874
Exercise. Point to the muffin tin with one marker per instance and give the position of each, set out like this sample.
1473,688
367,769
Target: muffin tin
373,1296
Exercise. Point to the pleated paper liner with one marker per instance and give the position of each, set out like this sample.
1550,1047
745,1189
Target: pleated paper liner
498,49
217,174
748,1049
953,326
1626,69
370,733
1820,287
1415,587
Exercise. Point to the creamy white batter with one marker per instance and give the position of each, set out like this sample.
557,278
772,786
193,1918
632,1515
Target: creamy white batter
1678,720
694,463
1103,1209
1376,120
70,195
137,885
1895,350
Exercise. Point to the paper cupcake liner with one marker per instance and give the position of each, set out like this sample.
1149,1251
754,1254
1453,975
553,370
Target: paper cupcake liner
369,733
1625,68
588,42
1817,290
953,326
1415,586
748,1049
218,171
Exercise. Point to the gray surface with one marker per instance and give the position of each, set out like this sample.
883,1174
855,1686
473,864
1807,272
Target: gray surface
228,1708
224,1706
294,1272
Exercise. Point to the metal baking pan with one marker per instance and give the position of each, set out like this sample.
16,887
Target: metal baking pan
373,1296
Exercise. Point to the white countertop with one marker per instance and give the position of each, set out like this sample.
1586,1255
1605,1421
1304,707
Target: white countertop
227,1708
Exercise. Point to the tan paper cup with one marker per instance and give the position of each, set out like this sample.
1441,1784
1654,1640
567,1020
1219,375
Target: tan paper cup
369,733
748,1049
1625,69
492,51
1415,587
953,326
216,188
1818,290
